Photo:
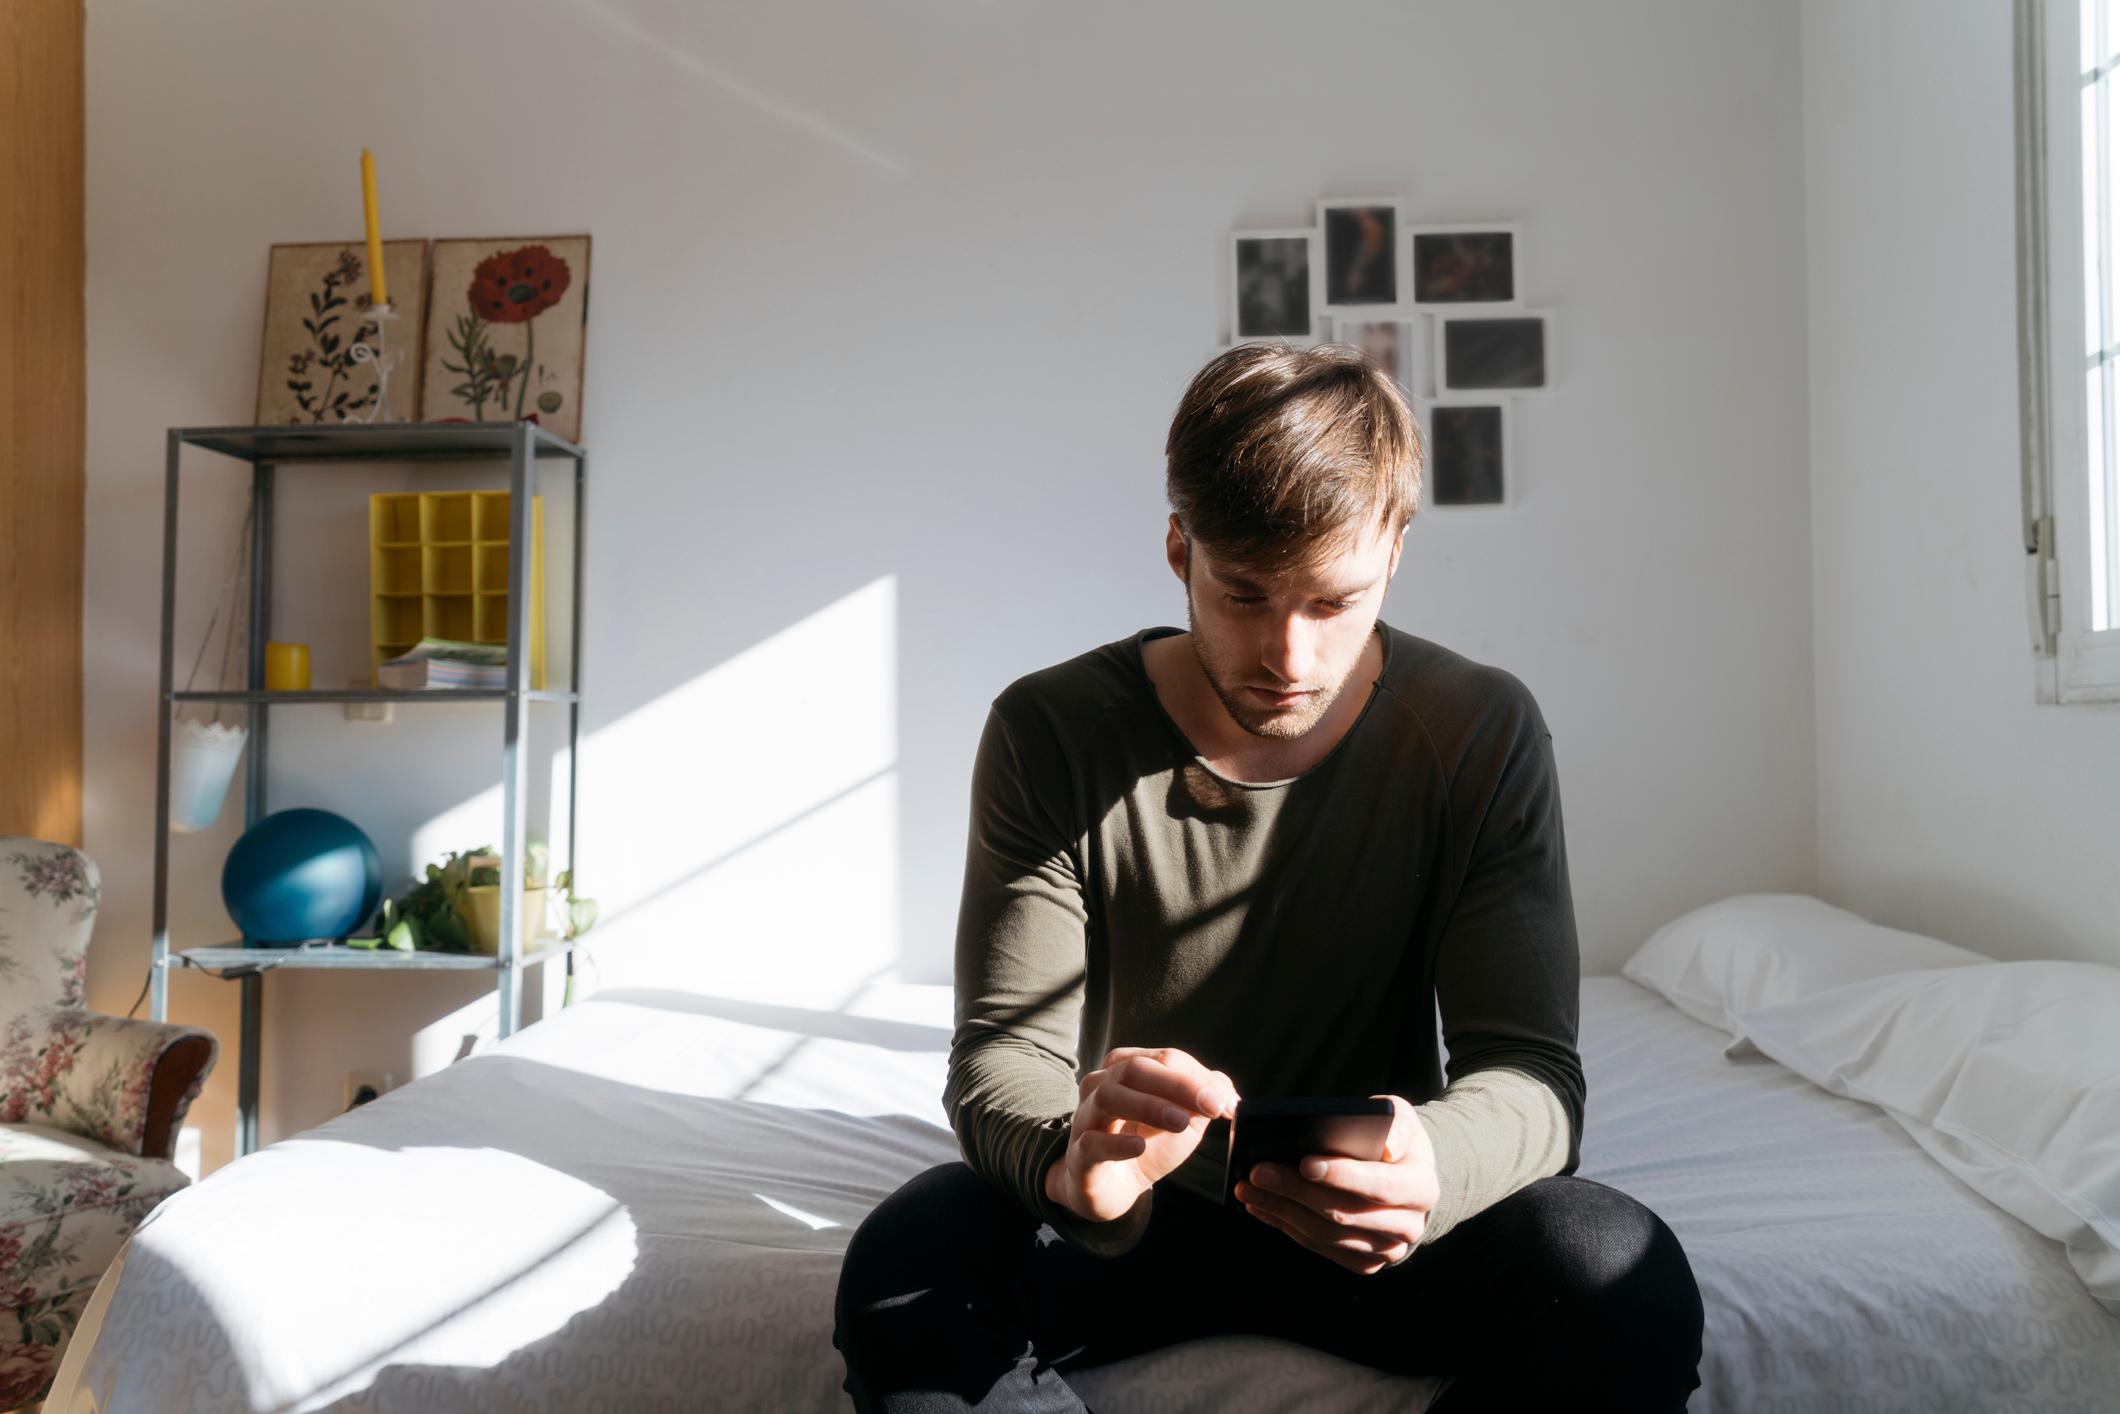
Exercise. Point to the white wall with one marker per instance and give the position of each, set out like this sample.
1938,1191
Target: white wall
1948,803
890,309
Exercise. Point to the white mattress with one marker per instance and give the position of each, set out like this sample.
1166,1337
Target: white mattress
641,1204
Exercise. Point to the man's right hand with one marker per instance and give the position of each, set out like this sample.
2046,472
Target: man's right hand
1141,1115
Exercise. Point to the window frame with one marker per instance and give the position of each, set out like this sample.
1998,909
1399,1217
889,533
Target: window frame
2074,663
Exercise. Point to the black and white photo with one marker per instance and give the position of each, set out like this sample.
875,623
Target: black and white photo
1392,344
1466,447
1479,353
1274,279
1466,264
1361,252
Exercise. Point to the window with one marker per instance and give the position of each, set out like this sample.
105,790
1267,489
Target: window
2068,241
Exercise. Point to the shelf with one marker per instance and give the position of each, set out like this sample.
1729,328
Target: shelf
443,560
439,566
338,957
378,694
374,441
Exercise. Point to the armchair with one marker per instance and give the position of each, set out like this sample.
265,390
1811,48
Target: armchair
89,1109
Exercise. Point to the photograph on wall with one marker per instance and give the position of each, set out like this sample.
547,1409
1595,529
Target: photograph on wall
507,324
1476,354
1273,282
316,315
1390,344
1465,446
1465,264
1361,252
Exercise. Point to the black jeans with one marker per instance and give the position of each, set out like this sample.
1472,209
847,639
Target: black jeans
1565,1295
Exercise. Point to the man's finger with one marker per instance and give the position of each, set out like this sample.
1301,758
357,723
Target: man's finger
1100,1147
1323,1178
1172,1076
1385,1230
1365,1265
1112,1103
1405,1128
1349,1185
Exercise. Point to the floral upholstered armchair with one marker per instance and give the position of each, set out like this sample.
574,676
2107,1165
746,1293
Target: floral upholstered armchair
89,1108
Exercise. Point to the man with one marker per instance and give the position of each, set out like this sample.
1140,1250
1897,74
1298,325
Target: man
1258,858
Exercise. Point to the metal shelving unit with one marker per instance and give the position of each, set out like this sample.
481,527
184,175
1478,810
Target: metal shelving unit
265,450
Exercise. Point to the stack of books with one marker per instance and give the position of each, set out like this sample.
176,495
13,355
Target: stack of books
446,663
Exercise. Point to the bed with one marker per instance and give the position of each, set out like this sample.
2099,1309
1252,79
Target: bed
640,1203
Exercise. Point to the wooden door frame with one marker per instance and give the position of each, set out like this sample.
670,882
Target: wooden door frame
43,417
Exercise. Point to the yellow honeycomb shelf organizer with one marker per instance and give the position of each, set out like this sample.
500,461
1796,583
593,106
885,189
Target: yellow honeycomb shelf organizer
438,568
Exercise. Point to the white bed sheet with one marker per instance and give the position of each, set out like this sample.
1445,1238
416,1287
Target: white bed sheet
640,1204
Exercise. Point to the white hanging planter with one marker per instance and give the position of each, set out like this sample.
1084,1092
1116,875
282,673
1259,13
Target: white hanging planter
202,761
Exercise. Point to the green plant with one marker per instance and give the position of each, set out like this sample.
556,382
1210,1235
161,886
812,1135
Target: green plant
429,916
581,912
426,916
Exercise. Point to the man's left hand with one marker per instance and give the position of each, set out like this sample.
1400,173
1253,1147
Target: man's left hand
1365,1214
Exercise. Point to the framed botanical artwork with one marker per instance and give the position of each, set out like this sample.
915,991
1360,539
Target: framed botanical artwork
1394,345
1361,240
1492,352
1468,263
507,324
1467,453
1274,285
316,315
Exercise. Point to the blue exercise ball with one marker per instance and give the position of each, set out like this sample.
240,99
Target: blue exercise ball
301,874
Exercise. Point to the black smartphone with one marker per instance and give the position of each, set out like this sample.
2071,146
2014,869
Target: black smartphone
1285,1131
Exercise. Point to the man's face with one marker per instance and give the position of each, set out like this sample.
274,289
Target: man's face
1298,633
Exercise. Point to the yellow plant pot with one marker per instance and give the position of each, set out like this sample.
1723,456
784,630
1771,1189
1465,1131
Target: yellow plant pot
480,907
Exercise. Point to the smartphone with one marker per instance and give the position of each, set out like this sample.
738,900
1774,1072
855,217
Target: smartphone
1285,1131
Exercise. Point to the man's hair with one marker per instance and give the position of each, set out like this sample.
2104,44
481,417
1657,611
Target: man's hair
1279,455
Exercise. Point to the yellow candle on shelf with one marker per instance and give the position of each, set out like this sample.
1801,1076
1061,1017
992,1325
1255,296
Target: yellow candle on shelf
376,292
286,667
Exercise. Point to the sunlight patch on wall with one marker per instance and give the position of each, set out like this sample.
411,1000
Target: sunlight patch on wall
803,917
740,832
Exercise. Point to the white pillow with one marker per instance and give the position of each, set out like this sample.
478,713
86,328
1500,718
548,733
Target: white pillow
1757,950
2008,1074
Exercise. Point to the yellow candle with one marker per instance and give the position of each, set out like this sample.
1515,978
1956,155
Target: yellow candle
376,293
287,667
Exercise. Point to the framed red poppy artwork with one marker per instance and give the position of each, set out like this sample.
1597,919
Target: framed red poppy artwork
506,326
316,318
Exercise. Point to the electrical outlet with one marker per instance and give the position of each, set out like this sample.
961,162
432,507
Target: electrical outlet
364,1085
367,711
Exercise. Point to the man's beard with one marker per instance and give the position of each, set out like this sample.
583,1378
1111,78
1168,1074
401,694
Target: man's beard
1244,708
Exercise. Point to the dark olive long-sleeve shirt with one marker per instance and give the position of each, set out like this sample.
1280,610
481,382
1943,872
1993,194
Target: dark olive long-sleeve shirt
1299,935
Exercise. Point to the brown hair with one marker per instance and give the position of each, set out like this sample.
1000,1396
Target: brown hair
1278,455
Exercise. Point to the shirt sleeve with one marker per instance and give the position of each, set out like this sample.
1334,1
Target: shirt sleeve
1020,968
1492,1132
1508,979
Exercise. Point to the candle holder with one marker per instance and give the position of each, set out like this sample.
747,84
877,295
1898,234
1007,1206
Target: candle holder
383,358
